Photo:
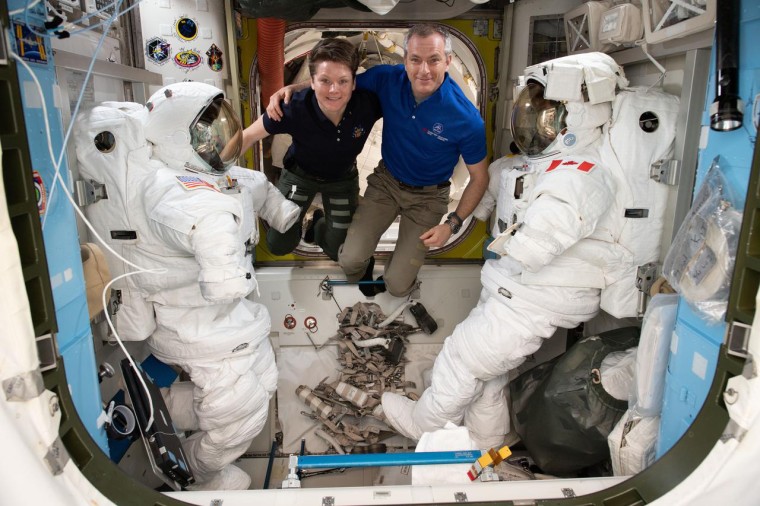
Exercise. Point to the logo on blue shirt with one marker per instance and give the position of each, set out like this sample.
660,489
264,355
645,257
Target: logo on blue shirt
437,128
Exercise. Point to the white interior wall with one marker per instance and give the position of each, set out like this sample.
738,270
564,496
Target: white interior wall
158,19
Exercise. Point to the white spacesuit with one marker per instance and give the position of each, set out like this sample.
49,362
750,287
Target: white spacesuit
564,235
185,210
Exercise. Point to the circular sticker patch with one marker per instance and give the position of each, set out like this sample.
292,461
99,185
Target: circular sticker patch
187,28
187,59
39,192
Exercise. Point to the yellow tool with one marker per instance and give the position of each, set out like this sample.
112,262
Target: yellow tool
489,459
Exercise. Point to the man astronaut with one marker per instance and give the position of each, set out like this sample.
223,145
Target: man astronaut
570,215
187,213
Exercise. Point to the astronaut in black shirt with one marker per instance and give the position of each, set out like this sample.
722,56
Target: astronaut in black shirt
329,122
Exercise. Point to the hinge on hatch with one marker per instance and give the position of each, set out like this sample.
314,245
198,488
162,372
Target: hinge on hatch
646,275
665,171
737,339
89,192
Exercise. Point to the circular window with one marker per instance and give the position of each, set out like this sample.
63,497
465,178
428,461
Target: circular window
105,142
649,122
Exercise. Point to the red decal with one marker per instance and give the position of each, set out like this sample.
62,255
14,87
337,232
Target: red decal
554,165
586,167
570,162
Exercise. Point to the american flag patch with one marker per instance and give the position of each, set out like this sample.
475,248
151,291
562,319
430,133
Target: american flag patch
195,183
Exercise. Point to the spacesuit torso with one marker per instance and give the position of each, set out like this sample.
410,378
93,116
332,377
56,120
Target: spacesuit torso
590,217
197,229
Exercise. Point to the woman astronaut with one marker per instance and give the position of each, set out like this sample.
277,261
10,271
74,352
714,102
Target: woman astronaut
184,210
566,236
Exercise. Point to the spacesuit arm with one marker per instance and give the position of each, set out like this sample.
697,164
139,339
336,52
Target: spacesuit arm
488,203
567,208
268,202
225,273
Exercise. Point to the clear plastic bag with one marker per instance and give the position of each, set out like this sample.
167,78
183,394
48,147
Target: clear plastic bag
700,262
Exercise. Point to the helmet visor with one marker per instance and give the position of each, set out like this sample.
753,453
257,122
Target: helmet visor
536,121
216,135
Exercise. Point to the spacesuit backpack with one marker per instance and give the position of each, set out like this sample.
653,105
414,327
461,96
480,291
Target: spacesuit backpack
111,151
640,134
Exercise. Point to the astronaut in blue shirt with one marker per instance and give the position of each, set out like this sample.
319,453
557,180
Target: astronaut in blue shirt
428,123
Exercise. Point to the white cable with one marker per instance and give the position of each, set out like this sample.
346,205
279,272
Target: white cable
63,185
58,178
74,115
121,343
643,45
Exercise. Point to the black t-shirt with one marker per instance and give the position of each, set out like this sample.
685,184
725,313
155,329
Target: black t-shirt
319,147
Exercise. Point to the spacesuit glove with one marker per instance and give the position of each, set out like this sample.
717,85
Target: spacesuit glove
225,284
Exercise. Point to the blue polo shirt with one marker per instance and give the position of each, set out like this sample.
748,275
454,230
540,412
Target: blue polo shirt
422,142
319,147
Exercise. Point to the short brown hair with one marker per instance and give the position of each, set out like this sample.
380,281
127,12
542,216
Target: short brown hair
426,30
334,50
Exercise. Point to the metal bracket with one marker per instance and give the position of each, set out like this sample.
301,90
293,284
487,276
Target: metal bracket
460,497
568,492
665,171
292,480
737,339
328,500
326,289
89,192
47,351
646,275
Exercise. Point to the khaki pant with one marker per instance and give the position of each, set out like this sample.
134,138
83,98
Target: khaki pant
383,201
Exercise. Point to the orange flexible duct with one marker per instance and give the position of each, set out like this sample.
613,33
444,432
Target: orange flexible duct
270,41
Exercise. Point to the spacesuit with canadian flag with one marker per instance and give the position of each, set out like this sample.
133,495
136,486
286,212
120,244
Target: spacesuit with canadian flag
576,214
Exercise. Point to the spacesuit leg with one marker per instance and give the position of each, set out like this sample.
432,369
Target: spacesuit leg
487,418
494,338
230,402
179,401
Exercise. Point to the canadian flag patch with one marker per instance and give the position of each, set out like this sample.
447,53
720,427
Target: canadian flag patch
582,166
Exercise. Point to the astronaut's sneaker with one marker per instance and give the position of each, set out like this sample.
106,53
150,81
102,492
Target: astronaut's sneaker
423,318
398,411
229,478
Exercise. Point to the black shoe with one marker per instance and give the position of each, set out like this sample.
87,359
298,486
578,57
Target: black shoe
379,287
308,235
424,320
368,289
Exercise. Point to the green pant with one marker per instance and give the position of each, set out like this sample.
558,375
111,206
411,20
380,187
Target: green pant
339,198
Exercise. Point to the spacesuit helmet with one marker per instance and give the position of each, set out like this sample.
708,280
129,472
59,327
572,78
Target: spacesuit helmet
536,121
560,104
191,125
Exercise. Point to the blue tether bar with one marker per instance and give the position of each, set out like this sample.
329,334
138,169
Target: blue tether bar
344,282
388,459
